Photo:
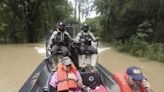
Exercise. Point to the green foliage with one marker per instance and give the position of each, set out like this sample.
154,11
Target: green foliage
94,25
141,48
137,43
121,19
138,46
134,26
30,20
155,52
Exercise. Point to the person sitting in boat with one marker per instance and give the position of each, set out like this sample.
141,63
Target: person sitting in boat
59,40
85,38
132,80
67,78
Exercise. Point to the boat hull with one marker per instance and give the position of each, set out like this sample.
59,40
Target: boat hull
40,78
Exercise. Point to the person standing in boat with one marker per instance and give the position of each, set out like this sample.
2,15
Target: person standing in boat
85,38
59,40
66,78
132,80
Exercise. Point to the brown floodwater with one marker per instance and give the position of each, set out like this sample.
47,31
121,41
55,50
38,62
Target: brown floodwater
116,62
17,62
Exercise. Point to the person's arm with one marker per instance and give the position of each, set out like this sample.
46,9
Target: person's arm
70,38
53,81
93,37
148,90
77,39
80,83
79,80
53,36
146,86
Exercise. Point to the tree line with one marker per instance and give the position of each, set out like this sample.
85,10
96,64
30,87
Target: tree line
134,26
30,20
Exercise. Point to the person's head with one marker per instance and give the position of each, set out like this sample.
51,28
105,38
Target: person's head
135,75
66,61
61,26
85,27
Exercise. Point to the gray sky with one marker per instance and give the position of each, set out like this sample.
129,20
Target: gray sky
91,14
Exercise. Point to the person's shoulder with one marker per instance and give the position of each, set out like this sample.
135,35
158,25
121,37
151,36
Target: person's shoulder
66,32
77,73
79,33
54,75
55,31
90,32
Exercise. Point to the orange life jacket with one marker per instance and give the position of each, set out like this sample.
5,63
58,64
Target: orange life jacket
62,76
121,79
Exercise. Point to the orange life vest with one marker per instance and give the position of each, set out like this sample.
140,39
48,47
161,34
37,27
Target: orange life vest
121,80
62,76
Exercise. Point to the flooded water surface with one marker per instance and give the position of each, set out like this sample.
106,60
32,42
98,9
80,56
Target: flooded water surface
153,71
17,62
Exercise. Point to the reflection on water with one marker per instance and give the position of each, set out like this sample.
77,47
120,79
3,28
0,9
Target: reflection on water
17,62
41,50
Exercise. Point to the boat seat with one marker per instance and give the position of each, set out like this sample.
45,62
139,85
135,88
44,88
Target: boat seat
87,52
59,52
90,77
